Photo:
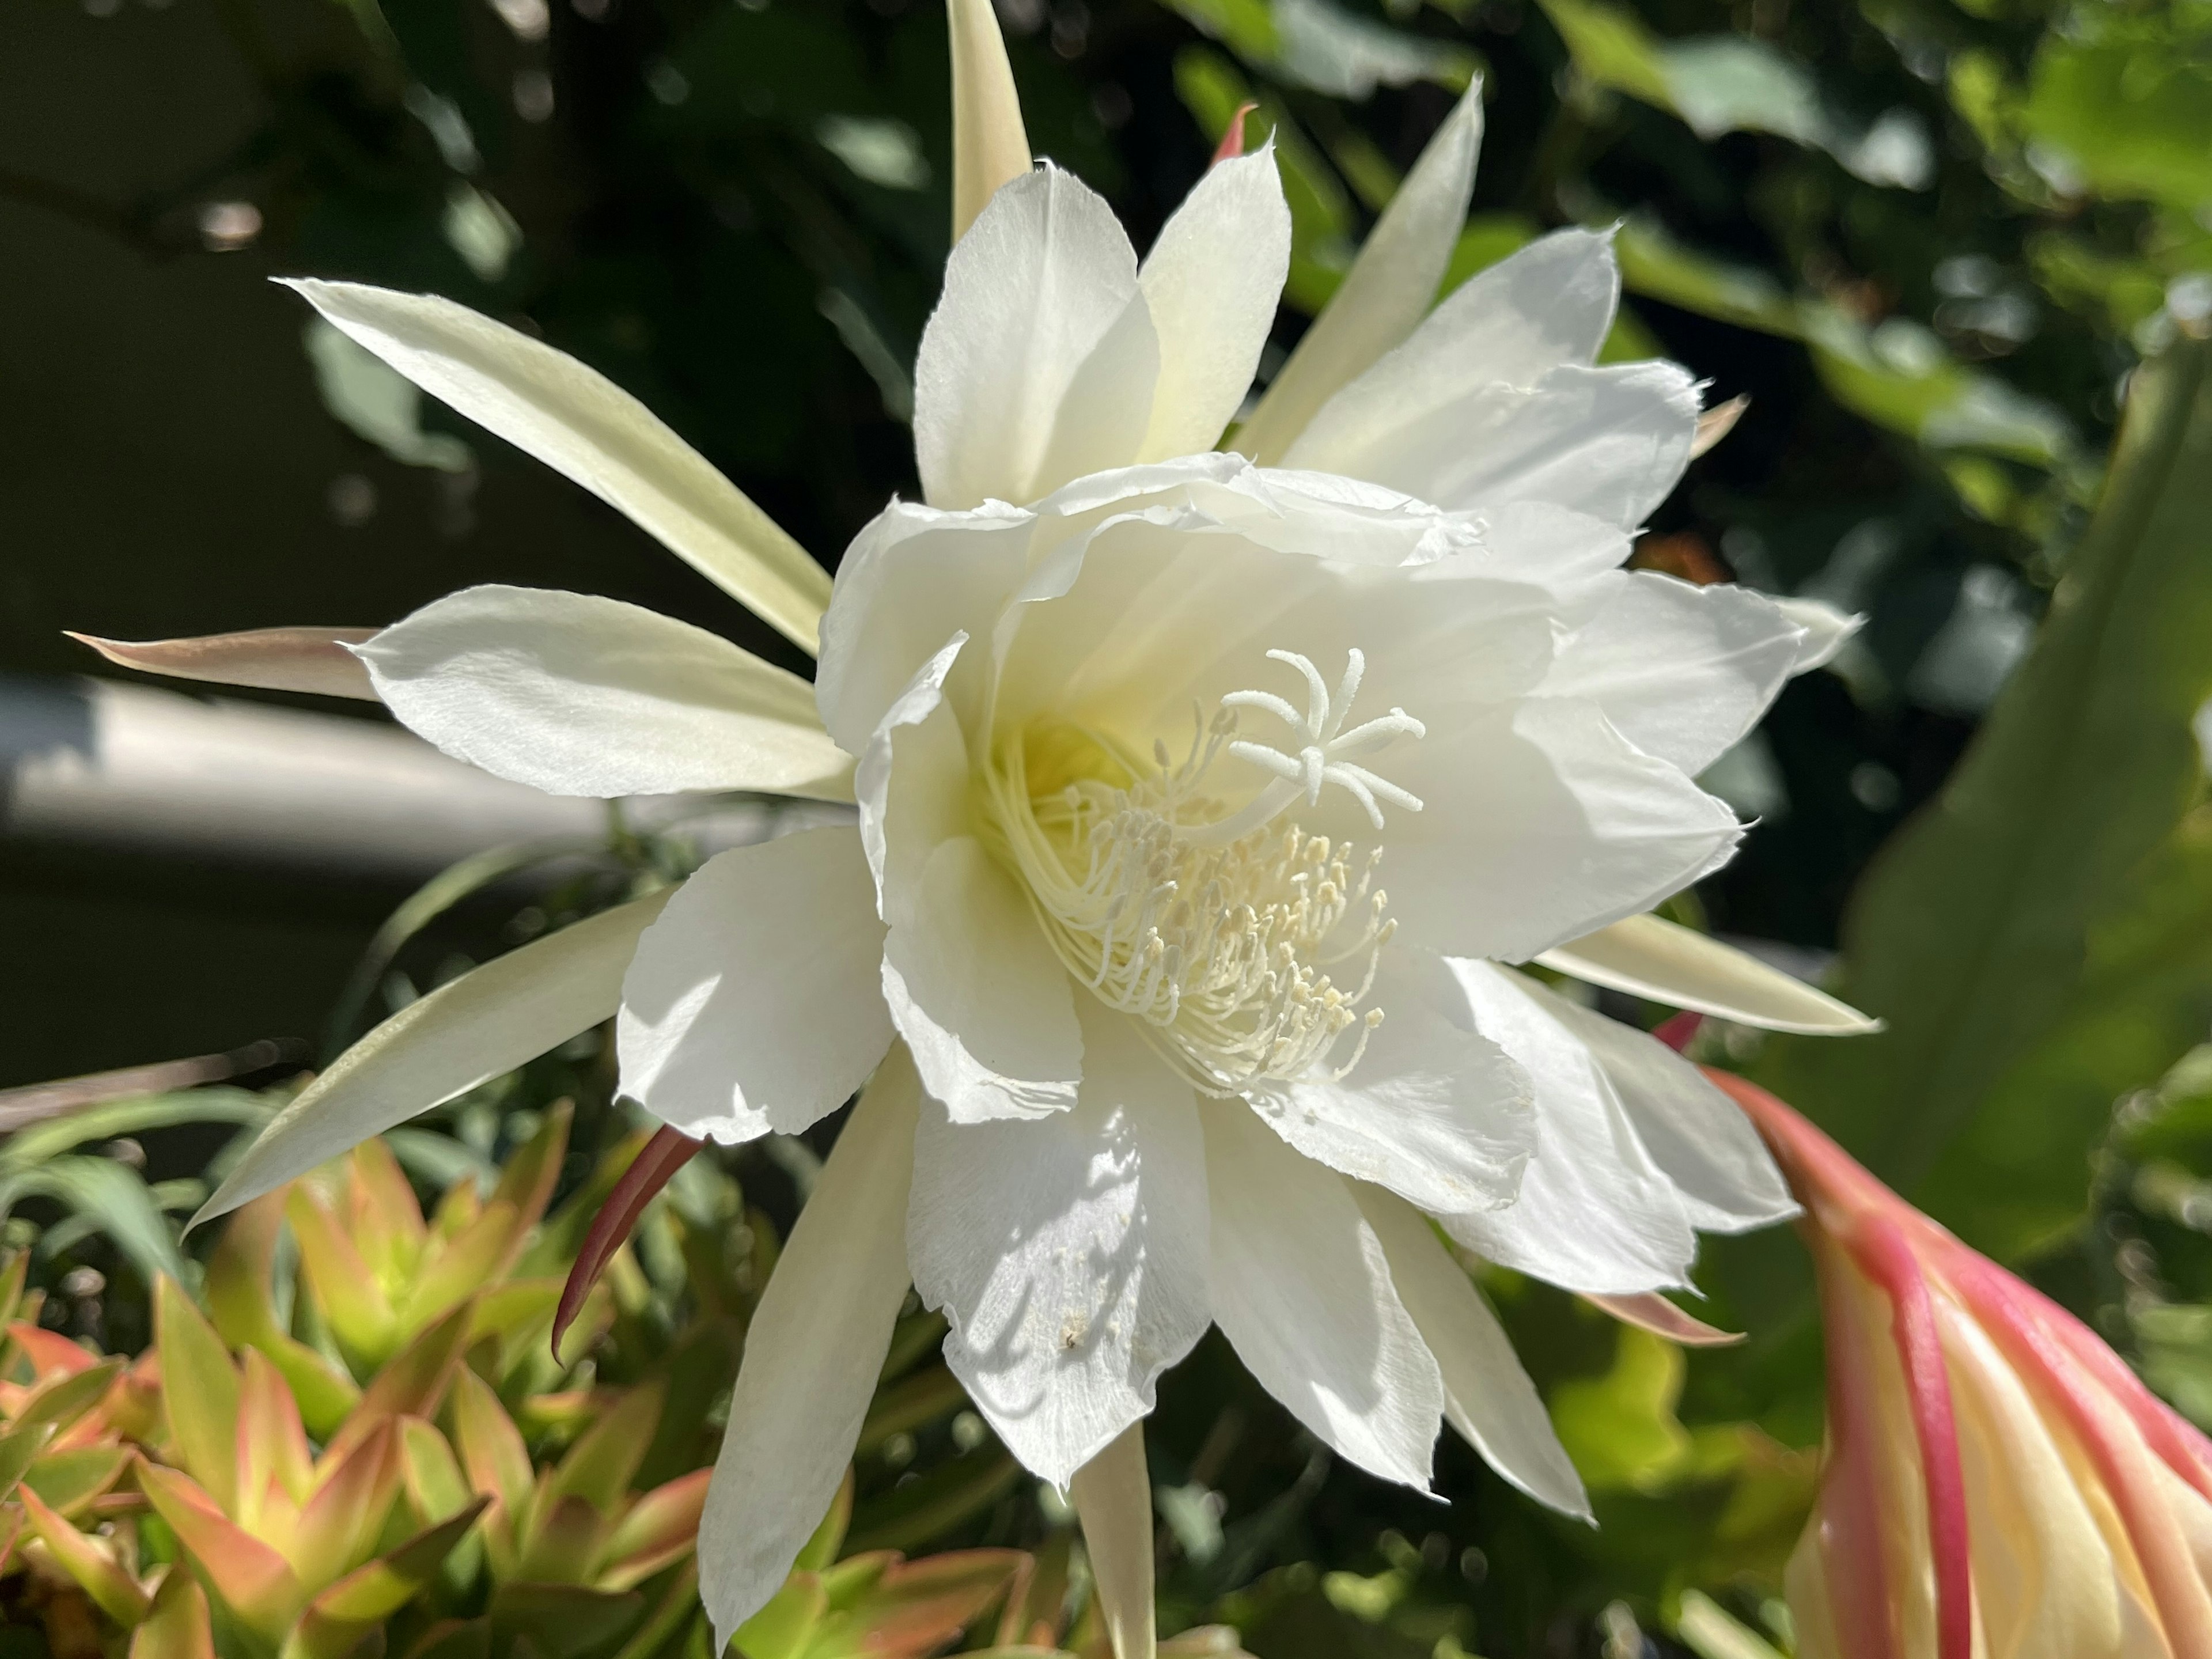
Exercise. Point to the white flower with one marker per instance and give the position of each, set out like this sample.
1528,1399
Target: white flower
1199,796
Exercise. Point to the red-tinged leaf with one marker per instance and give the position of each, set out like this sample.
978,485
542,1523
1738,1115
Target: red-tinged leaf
272,1443
352,1303
177,1627
19,1447
561,1621
1037,1599
199,1393
464,1266
336,1621
68,1481
388,1226
561,1542
134,1411
413,1383
530,1174
64,1397
918,1607
88,1560
661,1528
600,1467
251,1578
238,1299
50,1351
491,1447
354,1491
454,1638
1232,136
786,1627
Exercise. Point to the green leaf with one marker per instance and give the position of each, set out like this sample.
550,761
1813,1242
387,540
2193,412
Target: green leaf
561,1621
90,1561
337,1619
69,1479
599,1466
924,1509
783,1628
30,1147
1620,1429
2040,939
17,1448
199,1393
62,1401
109,1196
2128,100
177,1627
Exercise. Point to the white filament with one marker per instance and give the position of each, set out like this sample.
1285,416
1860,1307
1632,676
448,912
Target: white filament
1216,926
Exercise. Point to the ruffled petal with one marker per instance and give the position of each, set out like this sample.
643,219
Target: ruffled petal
1682,671
813,1351
1596,1213
1388,289
580,696
1701,1141
1540,823
1432,1111
754,1003
1069,1255
1213,282
1549,304
1029,291
1488,1397
1302,1290
582,425
974,989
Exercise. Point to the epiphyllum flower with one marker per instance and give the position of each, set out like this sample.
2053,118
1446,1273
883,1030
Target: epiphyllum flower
1199,796
1998,1481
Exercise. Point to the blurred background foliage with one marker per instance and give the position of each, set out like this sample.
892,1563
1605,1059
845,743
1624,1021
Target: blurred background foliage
1935,243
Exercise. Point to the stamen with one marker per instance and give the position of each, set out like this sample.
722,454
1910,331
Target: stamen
1215,926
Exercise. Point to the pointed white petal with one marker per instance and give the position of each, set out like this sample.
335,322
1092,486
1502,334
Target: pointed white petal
1648,1310
1682,671
580,423
1069,1255
756,1002
1388,289
1716,422
1113,1496
275,659
1488,1397
1647,957
1029,291
1828,630
978,994
1596,1213
491,1020
989,146
1549,304
1302,1290
1213,280
1104,412
1695,1133
581,695
1432,1111
813,1351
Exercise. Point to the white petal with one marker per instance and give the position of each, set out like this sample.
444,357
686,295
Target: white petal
978,994
1551,543
491,1020
1682,671
1104,412
1069,1255
1432,1111
581,424
1828,630
1647,957
1302,1290
1610,443
911,784
1692,1132
313,659
1113,1497
1213,280
813,1351
1539,822
1596,1213
1488,1397
1033,286
1388,289
580,696
989,146
1549,304
756,1002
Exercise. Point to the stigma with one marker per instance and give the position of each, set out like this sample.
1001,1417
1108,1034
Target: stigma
1245,946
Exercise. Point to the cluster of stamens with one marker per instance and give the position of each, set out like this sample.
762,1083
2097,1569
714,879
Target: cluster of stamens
1216,925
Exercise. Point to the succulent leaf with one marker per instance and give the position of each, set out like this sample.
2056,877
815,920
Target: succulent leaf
254,1581
18,1447
239,1296
68,1479
660,1529
561,1621
341,1281
90,1561
199,1393
177,1627
339,1618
